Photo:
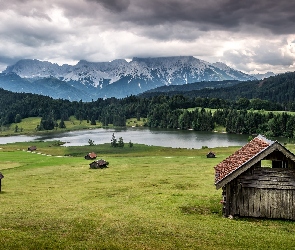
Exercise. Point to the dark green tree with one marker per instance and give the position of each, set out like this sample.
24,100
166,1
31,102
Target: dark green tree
114,142
91,142
93,122
120,142
18,118
62,124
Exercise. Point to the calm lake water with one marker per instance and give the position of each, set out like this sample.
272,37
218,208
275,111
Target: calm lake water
156,137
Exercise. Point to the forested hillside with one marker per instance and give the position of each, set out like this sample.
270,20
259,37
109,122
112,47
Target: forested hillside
276,89
192,86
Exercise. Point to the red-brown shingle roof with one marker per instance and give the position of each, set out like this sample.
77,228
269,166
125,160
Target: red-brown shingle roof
92,155
240,157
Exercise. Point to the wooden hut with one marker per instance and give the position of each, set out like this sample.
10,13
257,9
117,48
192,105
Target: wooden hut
32,148
90,156
211,155
258,180
99,164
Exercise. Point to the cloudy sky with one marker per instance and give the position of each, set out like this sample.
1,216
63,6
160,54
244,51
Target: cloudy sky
248,35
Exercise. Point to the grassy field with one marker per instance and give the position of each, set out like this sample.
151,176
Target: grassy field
148,198
28,126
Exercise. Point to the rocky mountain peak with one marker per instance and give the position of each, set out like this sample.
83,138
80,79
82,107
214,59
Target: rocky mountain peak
133,77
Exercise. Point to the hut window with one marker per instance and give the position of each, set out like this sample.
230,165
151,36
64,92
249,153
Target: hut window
266,163
274,164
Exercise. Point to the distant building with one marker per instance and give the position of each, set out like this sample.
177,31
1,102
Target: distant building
211,155
99,164
90,156
32,148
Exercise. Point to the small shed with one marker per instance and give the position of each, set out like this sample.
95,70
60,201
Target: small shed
258,180
1,177
99,164
90,156
211,155
32,148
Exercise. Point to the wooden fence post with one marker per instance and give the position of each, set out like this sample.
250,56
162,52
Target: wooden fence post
1,177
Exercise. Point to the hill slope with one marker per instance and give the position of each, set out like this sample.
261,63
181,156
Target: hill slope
279,88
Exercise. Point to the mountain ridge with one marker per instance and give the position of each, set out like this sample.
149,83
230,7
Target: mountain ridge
120,78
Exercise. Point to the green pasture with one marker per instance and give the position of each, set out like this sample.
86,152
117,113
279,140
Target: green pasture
29,125
147,198
133,122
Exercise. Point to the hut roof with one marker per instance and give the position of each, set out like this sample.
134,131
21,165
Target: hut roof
210,154
32,148
92,155
245,157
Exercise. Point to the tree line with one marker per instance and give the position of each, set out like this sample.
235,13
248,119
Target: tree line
162,111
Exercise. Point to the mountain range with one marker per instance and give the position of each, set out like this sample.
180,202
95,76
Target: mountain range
119,78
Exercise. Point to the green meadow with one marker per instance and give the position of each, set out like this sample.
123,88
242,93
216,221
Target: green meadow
148,198
28,126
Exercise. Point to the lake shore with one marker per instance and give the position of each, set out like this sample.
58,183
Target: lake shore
140,135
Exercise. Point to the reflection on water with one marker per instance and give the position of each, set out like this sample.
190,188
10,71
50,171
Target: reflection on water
157,137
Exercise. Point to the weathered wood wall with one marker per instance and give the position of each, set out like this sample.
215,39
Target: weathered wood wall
262,192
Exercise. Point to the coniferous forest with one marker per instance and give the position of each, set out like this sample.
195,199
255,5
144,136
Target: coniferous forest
279,89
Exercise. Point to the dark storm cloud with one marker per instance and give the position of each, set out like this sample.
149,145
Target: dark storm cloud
206,15
276,16
8,60
34,36
113,5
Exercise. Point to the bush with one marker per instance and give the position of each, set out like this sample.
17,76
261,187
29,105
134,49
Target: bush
121,142
91,142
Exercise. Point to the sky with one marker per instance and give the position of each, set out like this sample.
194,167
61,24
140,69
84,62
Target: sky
249,35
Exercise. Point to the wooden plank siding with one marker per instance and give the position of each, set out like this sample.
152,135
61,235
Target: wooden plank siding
262,192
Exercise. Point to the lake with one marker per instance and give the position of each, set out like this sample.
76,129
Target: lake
156,137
